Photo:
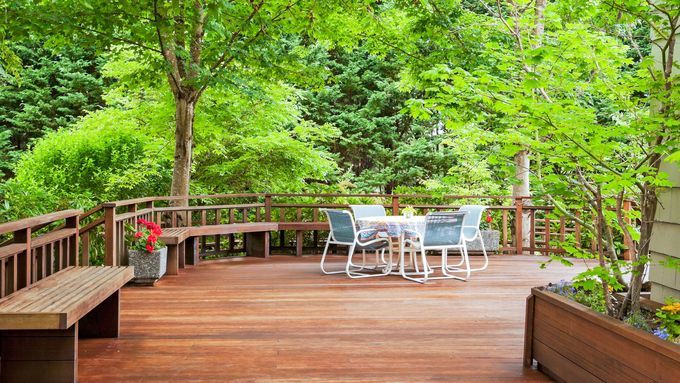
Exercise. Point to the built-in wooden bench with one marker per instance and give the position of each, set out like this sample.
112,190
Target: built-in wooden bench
182,244
47,300
40,324
300,228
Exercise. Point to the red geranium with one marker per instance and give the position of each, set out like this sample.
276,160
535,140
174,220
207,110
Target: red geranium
488,217
145,237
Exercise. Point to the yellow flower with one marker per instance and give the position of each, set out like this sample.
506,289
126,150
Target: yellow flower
672,308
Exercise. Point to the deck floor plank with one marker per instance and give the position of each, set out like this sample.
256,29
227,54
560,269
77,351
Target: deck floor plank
280,320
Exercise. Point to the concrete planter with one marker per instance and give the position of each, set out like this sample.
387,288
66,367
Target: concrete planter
149,267
573,343
491,240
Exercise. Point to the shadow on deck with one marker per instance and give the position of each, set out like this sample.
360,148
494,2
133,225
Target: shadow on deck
280,320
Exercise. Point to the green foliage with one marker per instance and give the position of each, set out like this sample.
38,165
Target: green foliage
53,89
102,158
639,320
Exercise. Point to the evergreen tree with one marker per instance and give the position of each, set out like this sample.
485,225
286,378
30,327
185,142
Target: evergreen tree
52,91
380,146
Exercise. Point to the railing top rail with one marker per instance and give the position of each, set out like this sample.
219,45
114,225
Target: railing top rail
209,207
39,220
135,201
317,195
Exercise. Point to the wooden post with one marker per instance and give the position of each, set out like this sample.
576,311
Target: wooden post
110,248
395,205
529,331
22,261
518,225
267,208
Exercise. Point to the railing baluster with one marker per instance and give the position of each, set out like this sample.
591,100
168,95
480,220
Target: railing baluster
547,233
505,228
532,229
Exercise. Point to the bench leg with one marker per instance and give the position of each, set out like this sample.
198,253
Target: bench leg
191,251
257,244
39,355
103,321
299,241
180,254
173,260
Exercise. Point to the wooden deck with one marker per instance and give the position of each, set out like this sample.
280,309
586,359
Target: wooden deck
280,320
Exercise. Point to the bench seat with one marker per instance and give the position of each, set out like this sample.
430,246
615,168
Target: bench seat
51,314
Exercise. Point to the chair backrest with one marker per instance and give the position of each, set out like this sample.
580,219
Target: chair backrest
472,218
443,228
342,225
362,211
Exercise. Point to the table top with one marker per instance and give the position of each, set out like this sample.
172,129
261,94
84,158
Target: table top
393,218
393,225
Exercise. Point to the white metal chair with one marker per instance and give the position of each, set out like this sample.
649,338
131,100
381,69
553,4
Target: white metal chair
343,232
444,232
363,211
471,229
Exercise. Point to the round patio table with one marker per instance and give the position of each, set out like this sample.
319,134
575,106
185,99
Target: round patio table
393,227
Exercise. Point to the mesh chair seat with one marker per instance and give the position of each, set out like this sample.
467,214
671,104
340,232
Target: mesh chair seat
372,247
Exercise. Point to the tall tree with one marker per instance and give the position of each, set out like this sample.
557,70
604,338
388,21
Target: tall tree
192,44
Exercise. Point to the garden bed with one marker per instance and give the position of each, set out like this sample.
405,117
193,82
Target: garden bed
573,343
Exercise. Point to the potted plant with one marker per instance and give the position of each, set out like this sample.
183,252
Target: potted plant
490,236
408,212
146,252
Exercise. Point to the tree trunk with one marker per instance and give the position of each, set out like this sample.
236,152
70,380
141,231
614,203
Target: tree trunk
184,139
521,189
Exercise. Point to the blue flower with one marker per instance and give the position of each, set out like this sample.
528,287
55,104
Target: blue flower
661,333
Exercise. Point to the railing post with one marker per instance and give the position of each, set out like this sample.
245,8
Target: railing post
267,208
22,262
395,205
518,225
110,236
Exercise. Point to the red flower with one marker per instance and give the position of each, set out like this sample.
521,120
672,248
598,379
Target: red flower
142,221
139,234
488,217
152,238
149,248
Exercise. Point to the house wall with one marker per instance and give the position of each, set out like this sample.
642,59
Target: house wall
666,238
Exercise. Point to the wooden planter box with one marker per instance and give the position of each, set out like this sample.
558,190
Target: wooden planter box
573,343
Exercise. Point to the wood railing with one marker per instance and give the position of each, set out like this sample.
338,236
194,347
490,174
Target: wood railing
106,224
37,247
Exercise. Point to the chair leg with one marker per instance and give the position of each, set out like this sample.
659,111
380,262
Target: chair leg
323,259
486,257
354,274
447,270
